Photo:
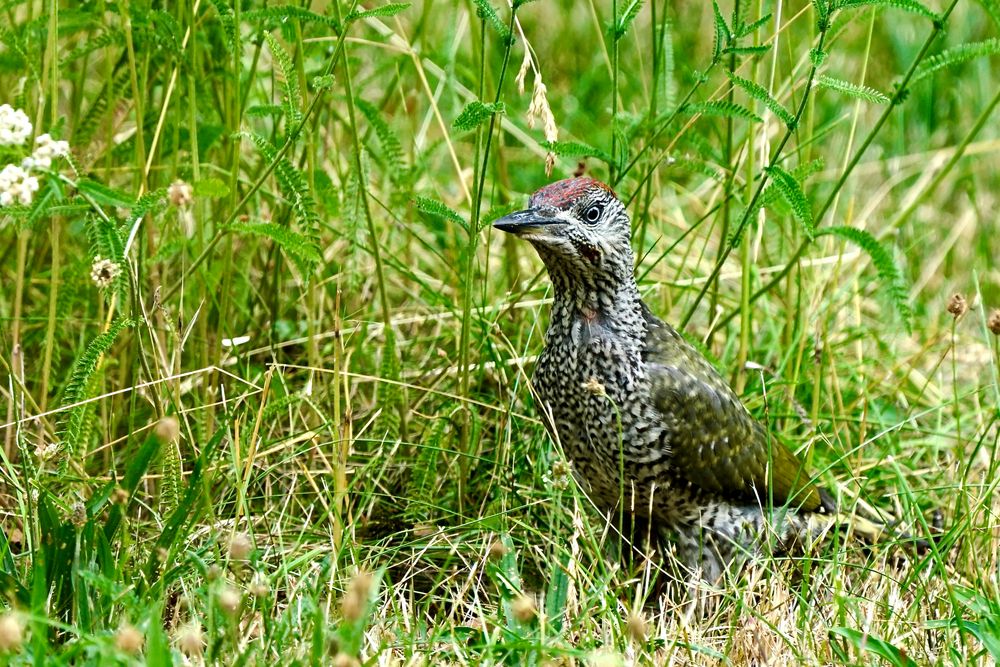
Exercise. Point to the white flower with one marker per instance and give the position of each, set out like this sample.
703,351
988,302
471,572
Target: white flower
46,149
15,128
104,272
16,186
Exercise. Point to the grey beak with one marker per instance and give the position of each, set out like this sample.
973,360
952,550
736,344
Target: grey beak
527,220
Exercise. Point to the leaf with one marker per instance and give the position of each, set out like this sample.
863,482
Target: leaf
293,184
438,209
275,16
889,274
758,93
867,643
956,55
624,20
213,188
854,90
722,33
489,15
557,593
748,50
390,9
911,6
301,249
745,29
291,98
574,149
102,194
78,388
392,150
723,108
791,191
228,21
476,113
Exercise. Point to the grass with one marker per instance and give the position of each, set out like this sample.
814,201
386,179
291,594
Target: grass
294,422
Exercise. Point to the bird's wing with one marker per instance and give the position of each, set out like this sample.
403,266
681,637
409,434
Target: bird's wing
715,443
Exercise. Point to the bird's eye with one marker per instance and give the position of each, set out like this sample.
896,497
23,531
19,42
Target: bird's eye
593,214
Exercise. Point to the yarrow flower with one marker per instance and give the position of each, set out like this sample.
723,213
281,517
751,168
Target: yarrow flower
104,271
46,149
16,186
15,128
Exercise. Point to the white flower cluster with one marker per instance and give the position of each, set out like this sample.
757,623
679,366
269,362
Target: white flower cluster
15,128
46,148
16,186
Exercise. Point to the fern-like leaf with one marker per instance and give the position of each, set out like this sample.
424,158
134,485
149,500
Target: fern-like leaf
723,108
77,389
302,250
575,149
476,113
624,20
291,99
791,191
273,17
854,90
889,274
292,183
489,15
911,6
228,22
383,11
956,55
759,93
439,209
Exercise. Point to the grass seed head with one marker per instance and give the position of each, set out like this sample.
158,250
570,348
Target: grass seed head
356,598
119,496
259,587
637,627
345,660
168,429
229,599
11,633
605,659
129,640
180,194
994,322
524,608
190,640
497,551
240,546
957,305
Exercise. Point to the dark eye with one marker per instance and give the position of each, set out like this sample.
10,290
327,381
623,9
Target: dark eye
593,214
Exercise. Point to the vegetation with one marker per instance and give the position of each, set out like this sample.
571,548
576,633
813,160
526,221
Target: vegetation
266,367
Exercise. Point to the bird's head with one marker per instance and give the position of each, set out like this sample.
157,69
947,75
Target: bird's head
579,228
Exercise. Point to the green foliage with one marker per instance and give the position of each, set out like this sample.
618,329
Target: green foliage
866,643
722,108
382,11
79,388
227,20
759,93
489,16
438,209
291,99
273,17
301,249
576,149
476,113
889,274
858,91
293,184
911,6
956,55
791,191
626,17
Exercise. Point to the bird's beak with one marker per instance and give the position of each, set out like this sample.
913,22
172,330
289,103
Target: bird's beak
529,221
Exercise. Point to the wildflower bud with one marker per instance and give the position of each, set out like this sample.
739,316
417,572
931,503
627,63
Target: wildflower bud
11,633
229,599
213,573
524,608
637,627
129,640
356,598
168,429
994,322
190,639
240,546
957,305
180,194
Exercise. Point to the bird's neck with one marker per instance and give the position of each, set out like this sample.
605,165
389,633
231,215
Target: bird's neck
614,304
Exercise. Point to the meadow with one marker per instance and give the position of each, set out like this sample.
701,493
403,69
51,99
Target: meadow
266,366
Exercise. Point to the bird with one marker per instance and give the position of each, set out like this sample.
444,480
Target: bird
647,422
